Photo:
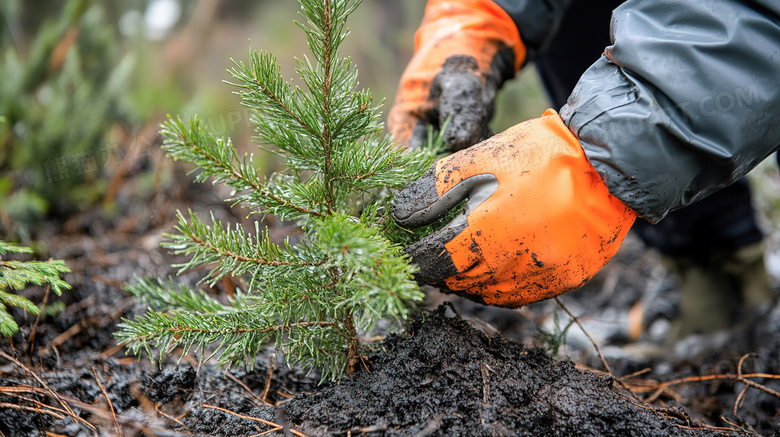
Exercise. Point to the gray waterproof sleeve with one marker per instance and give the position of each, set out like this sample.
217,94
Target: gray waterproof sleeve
685,101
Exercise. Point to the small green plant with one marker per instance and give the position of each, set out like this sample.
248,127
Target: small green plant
16,275
552,341
312,300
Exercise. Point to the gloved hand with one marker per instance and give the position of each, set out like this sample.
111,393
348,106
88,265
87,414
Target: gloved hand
464,51
538,222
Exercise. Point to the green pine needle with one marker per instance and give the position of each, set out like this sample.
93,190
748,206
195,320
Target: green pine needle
16,275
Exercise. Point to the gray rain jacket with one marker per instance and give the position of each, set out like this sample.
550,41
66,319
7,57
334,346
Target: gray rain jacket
685,101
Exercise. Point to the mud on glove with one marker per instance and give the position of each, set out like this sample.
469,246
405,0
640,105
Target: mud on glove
538,222
464,51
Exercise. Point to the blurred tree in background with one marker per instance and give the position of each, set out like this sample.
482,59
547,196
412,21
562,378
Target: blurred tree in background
60,93
75,94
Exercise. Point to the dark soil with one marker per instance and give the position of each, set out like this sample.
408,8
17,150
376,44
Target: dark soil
447,378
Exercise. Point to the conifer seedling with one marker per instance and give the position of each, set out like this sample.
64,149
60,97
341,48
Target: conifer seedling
16,275
314,299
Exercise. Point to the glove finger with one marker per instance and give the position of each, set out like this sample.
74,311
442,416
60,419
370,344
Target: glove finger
436,265
459,91
465,117
420,203
431,255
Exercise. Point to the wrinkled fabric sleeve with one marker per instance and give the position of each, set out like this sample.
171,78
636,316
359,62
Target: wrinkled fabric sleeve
536,20
685,101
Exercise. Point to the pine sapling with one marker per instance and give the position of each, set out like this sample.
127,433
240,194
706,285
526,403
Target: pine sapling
16,275
311,300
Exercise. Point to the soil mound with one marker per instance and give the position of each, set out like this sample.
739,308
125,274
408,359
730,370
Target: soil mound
448,378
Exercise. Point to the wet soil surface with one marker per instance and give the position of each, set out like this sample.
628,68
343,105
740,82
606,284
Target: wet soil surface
443,377
448,378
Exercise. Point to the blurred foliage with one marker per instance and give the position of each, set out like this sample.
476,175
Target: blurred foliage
59,96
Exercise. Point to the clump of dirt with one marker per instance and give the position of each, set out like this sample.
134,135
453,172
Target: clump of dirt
171,384
448,378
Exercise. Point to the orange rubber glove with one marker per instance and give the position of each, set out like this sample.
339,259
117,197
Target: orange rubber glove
464,51
538,222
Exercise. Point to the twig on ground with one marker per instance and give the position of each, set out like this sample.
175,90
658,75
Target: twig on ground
740,398
632,389
275,426
33,409
658,388
262,433
286,396
268,377
364,430
168,416
637,373
729,422
593,342
31,339
112,350
40,381
657,411
484,369
17,390
85,323
254,398
596,346
718,429
31,400
108,400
